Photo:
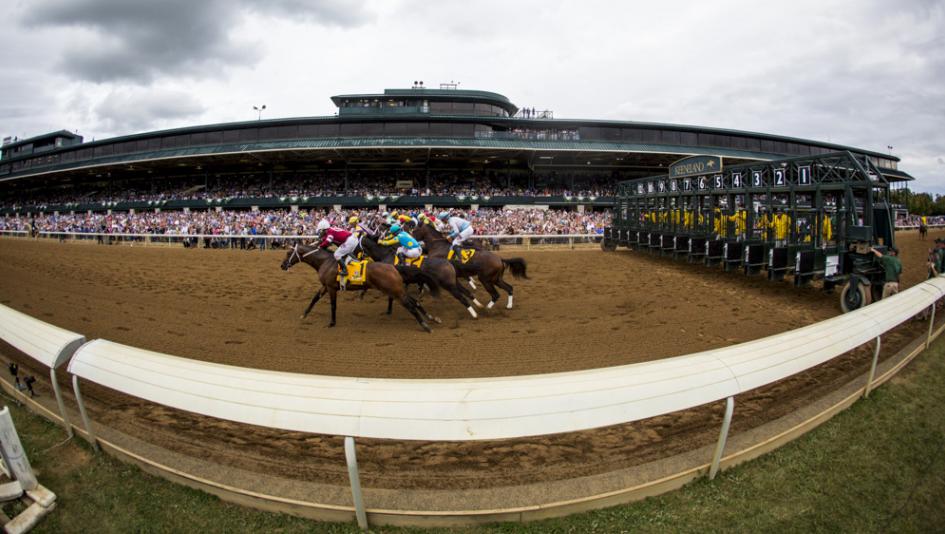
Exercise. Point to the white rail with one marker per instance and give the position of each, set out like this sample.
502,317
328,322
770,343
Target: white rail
487,408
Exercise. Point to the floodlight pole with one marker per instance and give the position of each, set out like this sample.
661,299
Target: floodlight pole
259,110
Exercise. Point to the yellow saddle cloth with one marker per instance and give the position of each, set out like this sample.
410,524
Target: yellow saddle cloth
357,273
416,262
464,254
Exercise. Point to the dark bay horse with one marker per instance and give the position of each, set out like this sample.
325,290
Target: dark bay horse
487,266
381,276
439,269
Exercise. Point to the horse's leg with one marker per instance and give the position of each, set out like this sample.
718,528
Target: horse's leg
390,305
457,291
318,295
507,287
493,294
468,294
471,283
412,306
427,314
333,293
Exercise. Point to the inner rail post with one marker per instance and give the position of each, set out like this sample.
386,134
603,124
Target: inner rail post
62,407
83,413
351,458
869,379
928,339
723,437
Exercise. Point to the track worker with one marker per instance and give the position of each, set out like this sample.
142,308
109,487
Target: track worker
409,247
460,230
346,242
892,267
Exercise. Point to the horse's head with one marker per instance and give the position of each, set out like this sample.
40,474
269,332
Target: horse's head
292,257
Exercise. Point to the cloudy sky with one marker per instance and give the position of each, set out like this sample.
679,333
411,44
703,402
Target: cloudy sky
865,73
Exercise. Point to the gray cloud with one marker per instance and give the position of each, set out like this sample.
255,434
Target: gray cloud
343,13
120,40
135,109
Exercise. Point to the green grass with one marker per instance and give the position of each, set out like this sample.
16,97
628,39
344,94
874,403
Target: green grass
877,467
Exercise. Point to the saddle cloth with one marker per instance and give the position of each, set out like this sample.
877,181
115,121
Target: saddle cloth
416,262
464,255
357,273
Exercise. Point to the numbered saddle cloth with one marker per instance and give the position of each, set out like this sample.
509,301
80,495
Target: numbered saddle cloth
357,272
416,262
464,255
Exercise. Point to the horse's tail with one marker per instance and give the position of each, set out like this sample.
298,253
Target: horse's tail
413,275
517,266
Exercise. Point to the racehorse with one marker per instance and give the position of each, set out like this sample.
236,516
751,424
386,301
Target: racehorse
923,230
439,269
384,277
485,265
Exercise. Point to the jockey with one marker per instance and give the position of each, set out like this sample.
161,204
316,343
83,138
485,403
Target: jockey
409,247
460,230
346,242
365,228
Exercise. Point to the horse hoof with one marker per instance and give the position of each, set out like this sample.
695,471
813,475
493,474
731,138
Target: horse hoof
490,305
477,303
437,320
427,328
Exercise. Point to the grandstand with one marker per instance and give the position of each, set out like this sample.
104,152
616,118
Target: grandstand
414,147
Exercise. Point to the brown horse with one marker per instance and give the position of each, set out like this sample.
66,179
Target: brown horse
487,266
381,276
438,268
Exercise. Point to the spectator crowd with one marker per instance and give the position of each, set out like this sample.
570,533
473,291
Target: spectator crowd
486,221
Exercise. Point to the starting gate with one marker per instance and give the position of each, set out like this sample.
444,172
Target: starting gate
811,218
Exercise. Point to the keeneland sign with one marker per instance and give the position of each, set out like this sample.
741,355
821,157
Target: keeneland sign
695,165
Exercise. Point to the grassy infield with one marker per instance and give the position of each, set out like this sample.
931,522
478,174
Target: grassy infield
878,467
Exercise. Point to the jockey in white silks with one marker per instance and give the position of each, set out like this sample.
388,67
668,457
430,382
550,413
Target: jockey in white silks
460,231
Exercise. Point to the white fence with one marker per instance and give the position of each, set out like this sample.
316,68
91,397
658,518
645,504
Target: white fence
470,409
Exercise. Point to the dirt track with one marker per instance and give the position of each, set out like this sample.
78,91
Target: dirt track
581,309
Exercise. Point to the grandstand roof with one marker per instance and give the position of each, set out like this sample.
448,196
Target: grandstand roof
414,127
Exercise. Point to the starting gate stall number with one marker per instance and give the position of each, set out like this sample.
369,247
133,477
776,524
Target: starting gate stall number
687,184
640,189
717,181
702,184
803,175
662,186
756,179
736,179
779,177
672,185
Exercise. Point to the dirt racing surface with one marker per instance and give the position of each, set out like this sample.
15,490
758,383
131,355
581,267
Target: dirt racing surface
580,309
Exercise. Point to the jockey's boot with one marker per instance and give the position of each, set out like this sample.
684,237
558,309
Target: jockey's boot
456,253
401,258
